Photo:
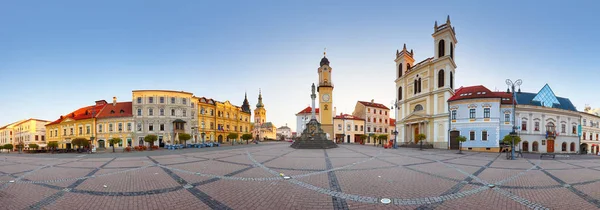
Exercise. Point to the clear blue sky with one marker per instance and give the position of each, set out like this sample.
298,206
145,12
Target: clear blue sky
57,56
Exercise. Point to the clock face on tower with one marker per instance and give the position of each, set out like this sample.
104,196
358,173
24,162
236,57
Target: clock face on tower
326,97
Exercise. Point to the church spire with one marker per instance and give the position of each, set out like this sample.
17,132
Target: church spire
246,105
260,103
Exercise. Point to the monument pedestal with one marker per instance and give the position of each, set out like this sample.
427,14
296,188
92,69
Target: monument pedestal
313,137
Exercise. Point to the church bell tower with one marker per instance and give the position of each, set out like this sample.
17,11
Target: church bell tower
325,96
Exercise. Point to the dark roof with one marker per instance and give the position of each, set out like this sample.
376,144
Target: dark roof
308,110
373,104
480,91
524,98
121,109
324,61
179,121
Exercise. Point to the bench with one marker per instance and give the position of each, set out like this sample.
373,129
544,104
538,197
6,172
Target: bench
548,155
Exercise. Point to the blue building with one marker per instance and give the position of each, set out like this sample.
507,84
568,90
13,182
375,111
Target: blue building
482,116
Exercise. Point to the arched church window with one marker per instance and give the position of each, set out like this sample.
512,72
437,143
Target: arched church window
451,50
400,70
418,107
441,78
419,85
415,84
400,93
441,48
451,81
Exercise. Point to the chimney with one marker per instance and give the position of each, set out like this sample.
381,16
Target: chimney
372,100
114,101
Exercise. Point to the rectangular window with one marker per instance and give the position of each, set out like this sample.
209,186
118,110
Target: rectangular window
544,142
563,128
80,130
506,117
150,127
184,101
161,100
583,136
355,127
536,126
162,112
150,100
369,129
484,135
172,100
150,112
87,129
584,123
192,105
36,137
71,131
472,135
374,111
184,113
128,126
172,112
139,127
100,128
574,129
453,114
486,113
472,113
120,127
348,127
43,139
162,127
110,127
55,132
139,112
362,127
139,100
524,125
64,132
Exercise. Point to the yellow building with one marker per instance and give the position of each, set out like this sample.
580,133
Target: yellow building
217,119
115,121
325,97
7,133
30,131
348,128
80,123
261,129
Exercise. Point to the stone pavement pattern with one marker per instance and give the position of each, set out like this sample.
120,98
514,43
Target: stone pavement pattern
249,177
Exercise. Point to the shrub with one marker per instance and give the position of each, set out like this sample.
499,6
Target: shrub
150,138
128,149
154,147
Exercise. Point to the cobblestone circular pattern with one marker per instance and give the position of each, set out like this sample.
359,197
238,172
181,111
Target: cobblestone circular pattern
275,176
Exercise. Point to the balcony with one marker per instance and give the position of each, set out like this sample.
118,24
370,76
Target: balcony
550,134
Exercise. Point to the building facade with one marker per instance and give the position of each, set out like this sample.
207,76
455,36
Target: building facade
548,124
164,113
348,128
284,132
590,131
424,88
325,90
376,118
30,131
77,124
261,129
303,117
115,120
7,133
482,116
218,119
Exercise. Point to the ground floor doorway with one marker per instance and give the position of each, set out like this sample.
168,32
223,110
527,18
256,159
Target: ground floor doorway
453,139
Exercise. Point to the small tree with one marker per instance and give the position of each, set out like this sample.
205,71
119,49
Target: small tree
460,140
33,146
53,145
382,137
420,137
20,146
232,137
114,141
80,142
183,137
9,147
246,137
362,138
151,138
508,139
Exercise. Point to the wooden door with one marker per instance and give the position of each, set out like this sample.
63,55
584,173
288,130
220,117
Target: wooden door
453,141
550,146
416,133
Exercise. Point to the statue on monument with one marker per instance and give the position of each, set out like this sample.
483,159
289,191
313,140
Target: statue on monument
313,136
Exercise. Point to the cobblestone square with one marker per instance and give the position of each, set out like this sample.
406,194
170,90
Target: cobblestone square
250,177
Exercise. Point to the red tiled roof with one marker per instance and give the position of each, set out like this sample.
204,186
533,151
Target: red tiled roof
308,110
376,105
347,116
121,109
392,122
479,91
80,114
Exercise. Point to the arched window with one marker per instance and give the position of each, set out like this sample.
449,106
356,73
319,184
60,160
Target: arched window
441,78
400,93
451,50
415,84
525,146
535,146
407,66
419,85
399,70
572,147
451,81
418,107
441,48
564,146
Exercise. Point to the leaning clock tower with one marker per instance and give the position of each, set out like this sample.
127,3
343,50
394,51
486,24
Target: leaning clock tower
325,97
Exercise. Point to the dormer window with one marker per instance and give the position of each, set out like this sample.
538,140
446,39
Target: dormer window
112,111
122,111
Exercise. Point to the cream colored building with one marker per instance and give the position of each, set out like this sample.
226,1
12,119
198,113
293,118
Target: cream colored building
7,134
261,129
590,131
115,120
348,128
376,118
30,131
423,89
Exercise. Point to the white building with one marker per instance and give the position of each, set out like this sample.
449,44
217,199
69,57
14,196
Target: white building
30,131
590,130
303,117
284,131
423,88
548,124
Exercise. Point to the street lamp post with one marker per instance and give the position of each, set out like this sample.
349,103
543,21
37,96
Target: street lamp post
511,87
195,133
395,107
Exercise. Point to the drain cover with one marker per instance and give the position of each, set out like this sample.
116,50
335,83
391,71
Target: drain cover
491,185
12,181
287,177
386,200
